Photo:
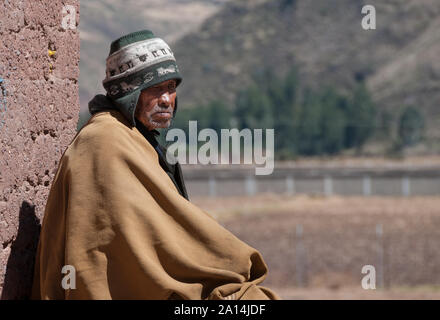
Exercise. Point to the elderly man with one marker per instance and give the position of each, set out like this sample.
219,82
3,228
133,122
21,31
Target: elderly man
118,223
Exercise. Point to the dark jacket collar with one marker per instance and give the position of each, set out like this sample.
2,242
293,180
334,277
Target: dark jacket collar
173,170
150,135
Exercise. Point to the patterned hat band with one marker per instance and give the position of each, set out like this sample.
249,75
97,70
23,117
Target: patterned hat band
139,65
142,79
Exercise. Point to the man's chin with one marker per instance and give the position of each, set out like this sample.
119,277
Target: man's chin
160,125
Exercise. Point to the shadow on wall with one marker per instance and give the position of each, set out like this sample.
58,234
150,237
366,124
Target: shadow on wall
20,267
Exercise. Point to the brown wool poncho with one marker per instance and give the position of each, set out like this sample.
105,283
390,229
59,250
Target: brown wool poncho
118,219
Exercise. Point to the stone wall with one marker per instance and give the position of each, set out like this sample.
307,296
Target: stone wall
39,104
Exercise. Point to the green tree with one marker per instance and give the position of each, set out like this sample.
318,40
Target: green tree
306,121
385,124
411,126
219,116
361,115
254,109
309,130
333,121
283,97
322,125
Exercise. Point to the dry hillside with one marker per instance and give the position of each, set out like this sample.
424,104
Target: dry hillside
398,60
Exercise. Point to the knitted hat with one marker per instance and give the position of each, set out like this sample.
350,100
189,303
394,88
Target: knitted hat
137,61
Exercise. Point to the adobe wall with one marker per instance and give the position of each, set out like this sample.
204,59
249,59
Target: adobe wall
37,122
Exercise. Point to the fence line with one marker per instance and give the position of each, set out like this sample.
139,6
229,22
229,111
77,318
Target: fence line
392,183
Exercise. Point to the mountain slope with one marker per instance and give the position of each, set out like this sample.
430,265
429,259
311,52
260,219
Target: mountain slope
399,60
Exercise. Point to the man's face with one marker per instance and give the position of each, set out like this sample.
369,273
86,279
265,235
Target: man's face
156,105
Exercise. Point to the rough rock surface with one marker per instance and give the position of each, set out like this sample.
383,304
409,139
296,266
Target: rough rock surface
36,125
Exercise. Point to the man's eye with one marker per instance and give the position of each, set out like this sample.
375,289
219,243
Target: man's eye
156,89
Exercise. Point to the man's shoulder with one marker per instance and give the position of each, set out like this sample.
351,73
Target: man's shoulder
104,128
107,135
108,118
105,123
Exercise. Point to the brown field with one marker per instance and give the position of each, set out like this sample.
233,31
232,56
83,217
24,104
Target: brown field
315,247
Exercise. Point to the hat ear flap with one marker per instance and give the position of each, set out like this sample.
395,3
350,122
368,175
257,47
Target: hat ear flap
175,107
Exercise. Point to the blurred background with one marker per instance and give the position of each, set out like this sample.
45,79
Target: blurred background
357,127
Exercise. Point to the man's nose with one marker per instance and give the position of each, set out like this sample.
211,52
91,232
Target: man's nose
165,99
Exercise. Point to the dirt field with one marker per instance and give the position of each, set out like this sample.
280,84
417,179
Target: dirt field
409,293
315,247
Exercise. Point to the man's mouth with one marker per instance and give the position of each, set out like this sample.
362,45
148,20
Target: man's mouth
162,115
